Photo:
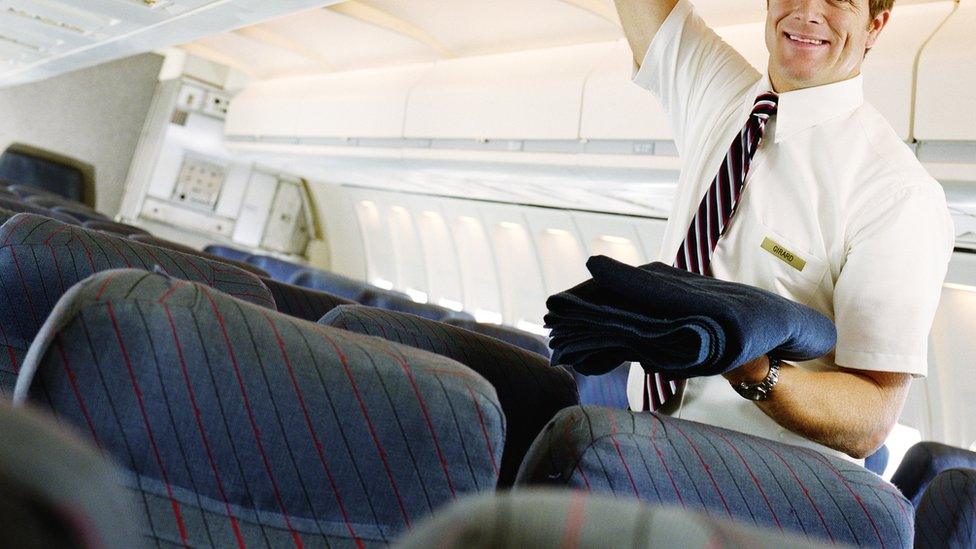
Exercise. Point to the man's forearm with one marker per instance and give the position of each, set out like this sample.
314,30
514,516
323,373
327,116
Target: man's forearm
641,20
847,410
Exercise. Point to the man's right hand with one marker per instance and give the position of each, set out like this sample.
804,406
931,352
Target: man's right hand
641,19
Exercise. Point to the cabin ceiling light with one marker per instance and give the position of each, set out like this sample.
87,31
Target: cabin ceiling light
615,239
467,219
510,225
450,304
963,287
557,232
431,214
367,204
398,209
416,295
382,283
532,327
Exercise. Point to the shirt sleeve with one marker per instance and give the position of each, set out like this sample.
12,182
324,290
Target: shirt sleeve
889,287
694,74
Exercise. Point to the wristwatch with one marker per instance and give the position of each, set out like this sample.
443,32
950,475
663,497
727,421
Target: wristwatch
761,390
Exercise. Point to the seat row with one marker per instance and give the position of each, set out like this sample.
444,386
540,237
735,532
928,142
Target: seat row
238,424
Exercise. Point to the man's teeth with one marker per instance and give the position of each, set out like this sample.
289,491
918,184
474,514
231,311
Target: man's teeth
805,40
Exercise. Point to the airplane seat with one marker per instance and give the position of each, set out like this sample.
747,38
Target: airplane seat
665,460
508,334
923,462
878,461
569,518
177,247
530,390
45,171
609,389
48,200
18,206
114,227
946,514
347,439
333,283
227,252
80,213
40,259
303,303
279,269
58,491
395,301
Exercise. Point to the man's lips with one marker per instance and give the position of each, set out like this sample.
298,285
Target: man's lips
802,40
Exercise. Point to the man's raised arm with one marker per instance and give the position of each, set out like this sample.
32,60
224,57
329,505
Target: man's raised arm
641,19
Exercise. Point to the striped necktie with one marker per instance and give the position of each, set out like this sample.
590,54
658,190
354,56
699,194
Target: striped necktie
710,221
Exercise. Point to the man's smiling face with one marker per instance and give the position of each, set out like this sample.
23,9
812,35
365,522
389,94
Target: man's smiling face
817,42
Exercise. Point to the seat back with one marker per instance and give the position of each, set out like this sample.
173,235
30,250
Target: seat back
671,461
609,389
57,490
23,207
925,460
564,518
227,251
946,515
519,338
332,283
244,426
303,303
80,213
41,258
48,174
529,389
395,301
114,227
177,247
279,269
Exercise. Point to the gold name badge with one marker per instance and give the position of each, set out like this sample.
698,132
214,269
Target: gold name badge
783,254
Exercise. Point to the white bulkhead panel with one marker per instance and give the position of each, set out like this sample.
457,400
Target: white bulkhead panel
562,254
407,249
612,236
950,386
479,275
946,88
522,95
889,68
380,259
439,254
264,108
519,276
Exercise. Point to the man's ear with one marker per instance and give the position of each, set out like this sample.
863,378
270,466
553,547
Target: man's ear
874,29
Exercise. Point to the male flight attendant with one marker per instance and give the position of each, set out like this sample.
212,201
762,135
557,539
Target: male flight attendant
792,183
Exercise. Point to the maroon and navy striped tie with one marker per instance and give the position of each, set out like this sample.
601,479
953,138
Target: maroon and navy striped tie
711,220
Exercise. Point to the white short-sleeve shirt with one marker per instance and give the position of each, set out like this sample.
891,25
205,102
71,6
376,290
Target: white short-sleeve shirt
836,213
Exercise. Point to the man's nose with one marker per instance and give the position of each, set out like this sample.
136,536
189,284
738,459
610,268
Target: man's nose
808,11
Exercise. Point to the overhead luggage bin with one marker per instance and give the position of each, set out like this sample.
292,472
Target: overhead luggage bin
360,104
523,95
889,68
946,86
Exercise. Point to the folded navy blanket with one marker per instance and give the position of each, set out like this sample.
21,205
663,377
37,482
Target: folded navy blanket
676,322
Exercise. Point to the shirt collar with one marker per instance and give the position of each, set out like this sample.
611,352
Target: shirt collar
805,108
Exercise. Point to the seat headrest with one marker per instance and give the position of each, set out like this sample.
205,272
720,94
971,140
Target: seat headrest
279,269
529,389
270,425
332,283
395,301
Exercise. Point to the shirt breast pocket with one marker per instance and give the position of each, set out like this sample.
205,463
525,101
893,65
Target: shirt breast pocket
773,261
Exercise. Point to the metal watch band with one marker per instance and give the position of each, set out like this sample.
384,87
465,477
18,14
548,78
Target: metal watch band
761,390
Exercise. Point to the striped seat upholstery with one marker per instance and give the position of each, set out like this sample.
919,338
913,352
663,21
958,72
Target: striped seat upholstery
57,490
244,426
519,338
114,227
529,389
724,473
554,519
177,247
946,515
41,258
925,460
303,303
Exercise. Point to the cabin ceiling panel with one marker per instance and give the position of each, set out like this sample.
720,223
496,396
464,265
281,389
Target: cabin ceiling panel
42,38
254,57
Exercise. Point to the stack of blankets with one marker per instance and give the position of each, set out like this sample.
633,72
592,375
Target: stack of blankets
678,323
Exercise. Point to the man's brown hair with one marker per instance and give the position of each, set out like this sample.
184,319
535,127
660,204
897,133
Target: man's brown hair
878,6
